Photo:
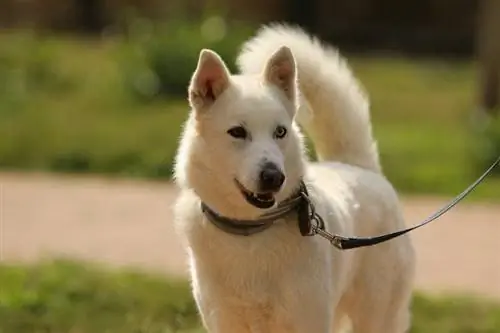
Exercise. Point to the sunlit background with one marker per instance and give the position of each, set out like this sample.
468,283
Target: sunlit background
92,98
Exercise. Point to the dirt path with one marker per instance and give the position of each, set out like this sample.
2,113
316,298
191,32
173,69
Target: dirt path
127,223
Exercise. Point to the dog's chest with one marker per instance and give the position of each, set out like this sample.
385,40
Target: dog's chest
257,262
263,253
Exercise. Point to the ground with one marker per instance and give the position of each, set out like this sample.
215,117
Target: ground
128,223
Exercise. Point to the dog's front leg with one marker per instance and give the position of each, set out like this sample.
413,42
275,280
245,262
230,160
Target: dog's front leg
305,303
224,322
218,317
305,321
304,313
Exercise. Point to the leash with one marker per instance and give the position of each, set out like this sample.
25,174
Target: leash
311,223
347,243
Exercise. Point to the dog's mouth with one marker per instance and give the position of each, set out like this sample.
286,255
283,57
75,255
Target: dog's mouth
262,200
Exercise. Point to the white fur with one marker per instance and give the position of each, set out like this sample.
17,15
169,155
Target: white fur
278,281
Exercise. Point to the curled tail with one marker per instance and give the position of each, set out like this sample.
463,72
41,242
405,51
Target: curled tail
338,121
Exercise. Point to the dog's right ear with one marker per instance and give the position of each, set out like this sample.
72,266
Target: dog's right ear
209,80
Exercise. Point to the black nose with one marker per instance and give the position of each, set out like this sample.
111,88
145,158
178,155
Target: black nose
271,178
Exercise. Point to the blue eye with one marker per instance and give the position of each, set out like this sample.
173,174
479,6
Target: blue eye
280,132
238,132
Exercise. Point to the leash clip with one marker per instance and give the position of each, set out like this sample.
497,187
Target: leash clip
318,228
311,223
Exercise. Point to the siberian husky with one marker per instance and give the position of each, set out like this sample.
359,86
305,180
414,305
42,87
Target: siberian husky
242,156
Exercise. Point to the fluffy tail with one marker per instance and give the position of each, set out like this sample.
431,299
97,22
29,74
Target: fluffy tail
338,121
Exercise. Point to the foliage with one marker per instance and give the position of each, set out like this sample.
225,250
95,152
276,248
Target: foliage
487,148
112,106
159,58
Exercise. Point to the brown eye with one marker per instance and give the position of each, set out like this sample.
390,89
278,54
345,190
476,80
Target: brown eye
238,132
280,132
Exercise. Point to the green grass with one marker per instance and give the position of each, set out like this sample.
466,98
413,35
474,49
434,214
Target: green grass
67,106
63,297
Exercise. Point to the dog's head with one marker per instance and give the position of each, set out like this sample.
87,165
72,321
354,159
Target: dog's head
240,147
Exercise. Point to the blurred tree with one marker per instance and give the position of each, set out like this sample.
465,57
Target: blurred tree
303,13
488,52
89,14
363,25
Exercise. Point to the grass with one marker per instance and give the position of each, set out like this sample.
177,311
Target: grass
67,107
63,297
66,297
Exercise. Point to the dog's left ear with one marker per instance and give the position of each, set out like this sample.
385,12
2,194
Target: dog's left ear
280,70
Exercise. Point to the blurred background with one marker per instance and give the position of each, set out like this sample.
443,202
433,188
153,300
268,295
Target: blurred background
104,82
92,100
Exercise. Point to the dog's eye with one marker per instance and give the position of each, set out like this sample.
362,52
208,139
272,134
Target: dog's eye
238,132
280,132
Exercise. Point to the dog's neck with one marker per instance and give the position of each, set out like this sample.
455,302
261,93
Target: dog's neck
299,204
294,203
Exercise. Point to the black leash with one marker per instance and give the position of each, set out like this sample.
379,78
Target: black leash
347,243
310,223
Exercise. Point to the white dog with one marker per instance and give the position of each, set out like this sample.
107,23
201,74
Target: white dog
242,156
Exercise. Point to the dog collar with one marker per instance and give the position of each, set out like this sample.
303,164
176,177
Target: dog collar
297,203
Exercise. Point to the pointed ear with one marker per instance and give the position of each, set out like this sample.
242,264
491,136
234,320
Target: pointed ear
280,70
209,80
